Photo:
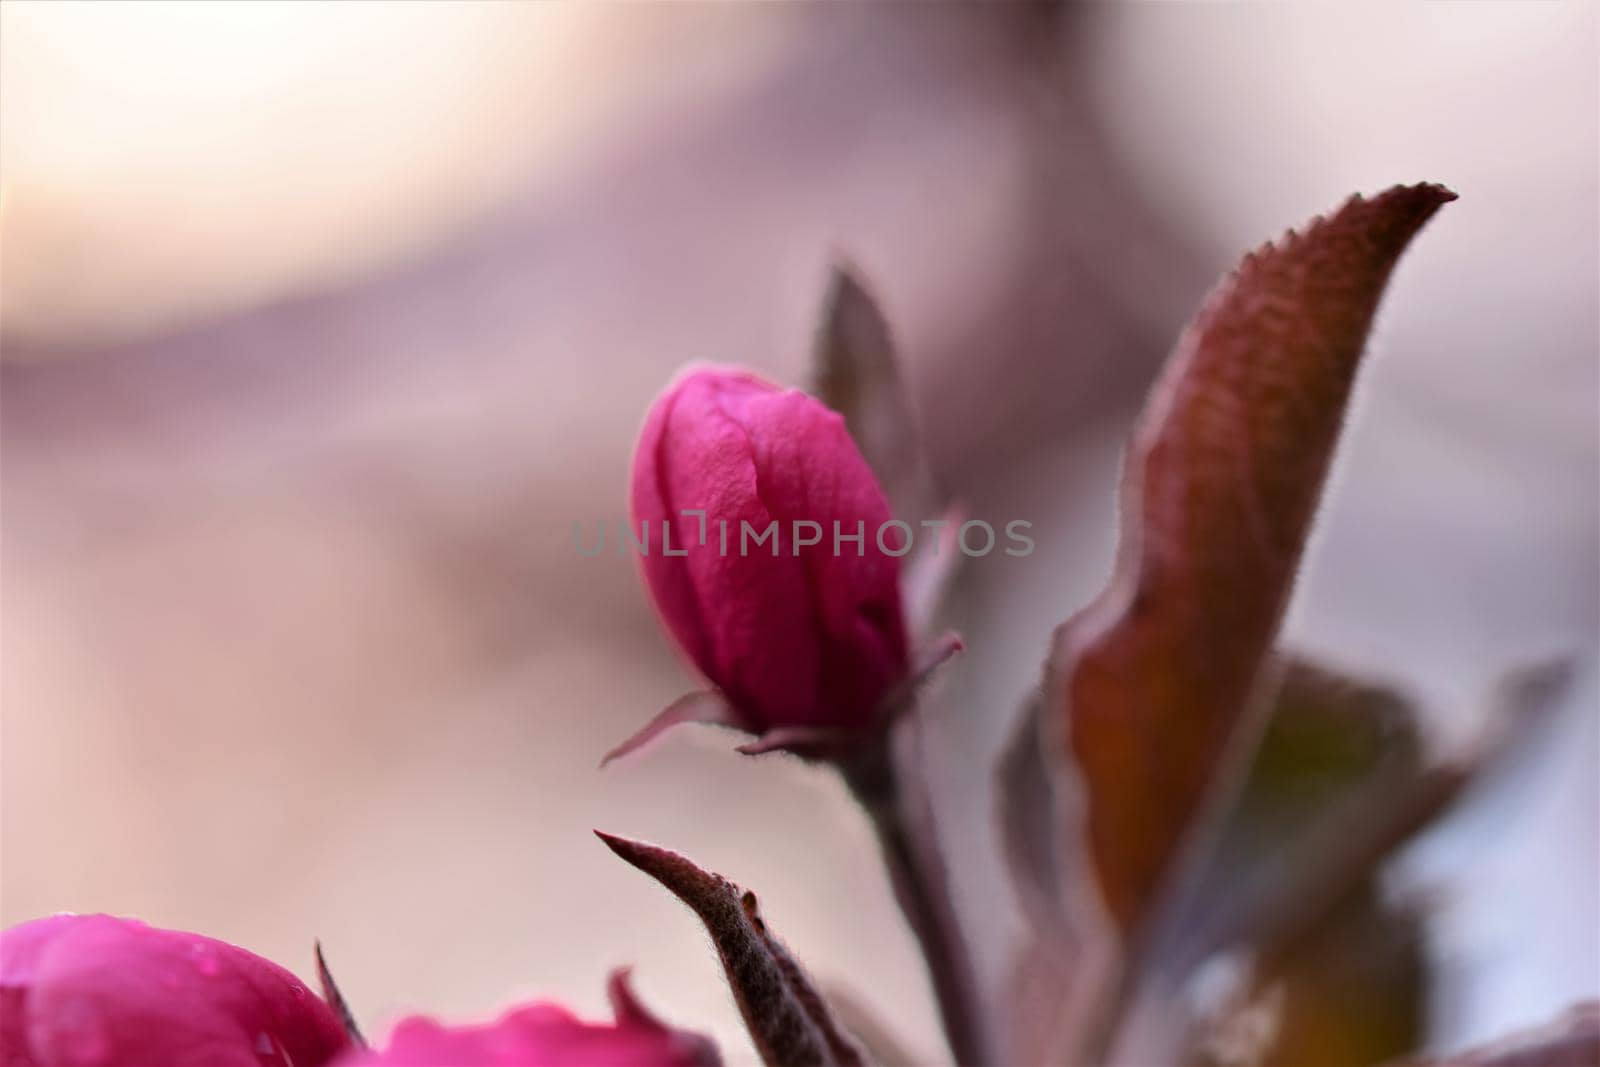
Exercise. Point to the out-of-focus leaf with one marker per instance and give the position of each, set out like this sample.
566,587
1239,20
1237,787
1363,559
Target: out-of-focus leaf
1326,733
1330,856
1222,479
857,375
1327,739
1029,832
1043,967
1573,1040
1355,989
1305,917
882,1045
787,1017
1354,992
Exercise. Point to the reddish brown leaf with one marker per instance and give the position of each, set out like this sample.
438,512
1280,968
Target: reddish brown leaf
787,1017
1223,476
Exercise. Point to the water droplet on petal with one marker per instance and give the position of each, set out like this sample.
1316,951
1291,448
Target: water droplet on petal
205,960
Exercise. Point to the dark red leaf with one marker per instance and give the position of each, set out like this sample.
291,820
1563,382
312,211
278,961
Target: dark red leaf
1223,477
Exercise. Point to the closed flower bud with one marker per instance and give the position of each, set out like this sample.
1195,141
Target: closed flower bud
545,1035
96,991
787,596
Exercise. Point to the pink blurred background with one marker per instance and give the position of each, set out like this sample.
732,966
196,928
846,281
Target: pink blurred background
323,325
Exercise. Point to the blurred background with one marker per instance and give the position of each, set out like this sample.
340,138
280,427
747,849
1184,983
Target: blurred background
322,326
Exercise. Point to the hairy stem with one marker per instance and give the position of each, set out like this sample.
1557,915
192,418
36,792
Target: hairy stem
902,819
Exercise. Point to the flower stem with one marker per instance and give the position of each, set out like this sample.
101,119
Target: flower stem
902,818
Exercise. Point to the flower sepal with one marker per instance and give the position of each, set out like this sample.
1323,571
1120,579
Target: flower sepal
821,744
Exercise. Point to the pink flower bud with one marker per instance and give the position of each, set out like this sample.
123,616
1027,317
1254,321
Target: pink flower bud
794,634
96,991
545,1035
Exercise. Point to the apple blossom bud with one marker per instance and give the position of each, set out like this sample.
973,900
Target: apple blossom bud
97,991
792,616
545,1035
